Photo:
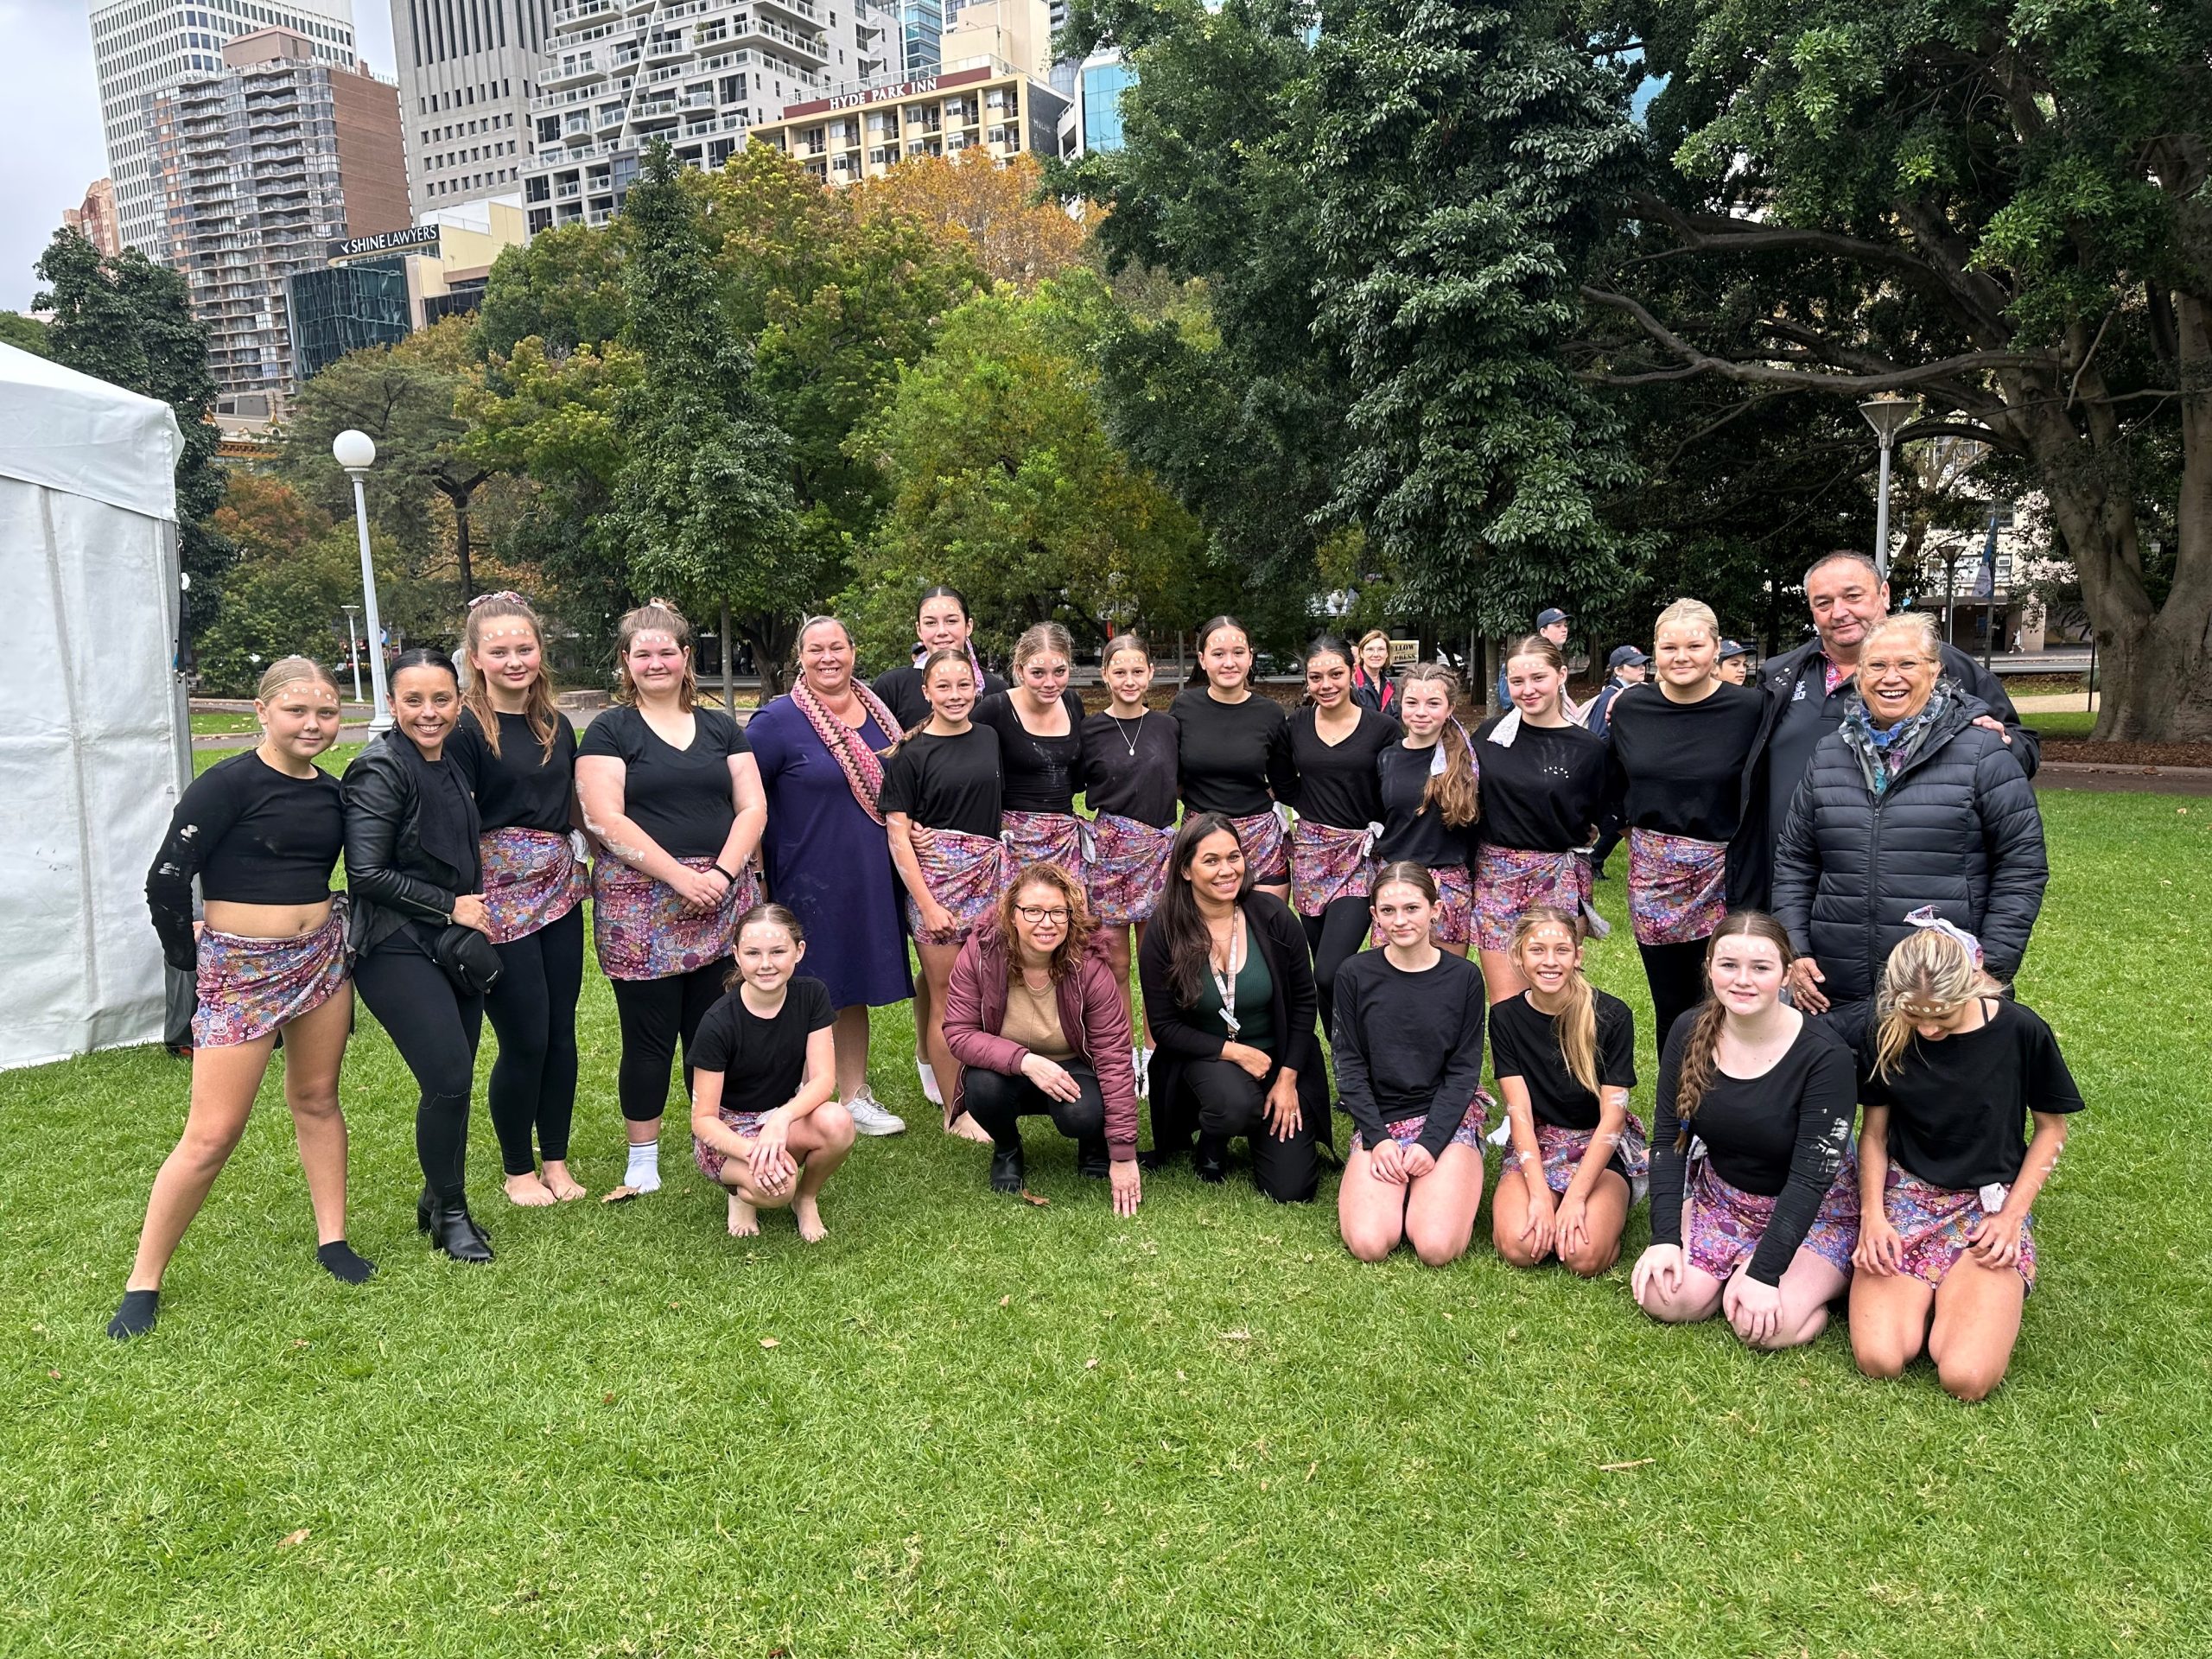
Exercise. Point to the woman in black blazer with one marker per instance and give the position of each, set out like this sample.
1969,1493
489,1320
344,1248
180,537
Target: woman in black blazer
412,871
1229,991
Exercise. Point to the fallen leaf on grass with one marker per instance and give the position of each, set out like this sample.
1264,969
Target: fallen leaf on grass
771,1342
1310,1468
1615,1468
1091,1365
291,1538
1027,1197
606,1399
1237,1335
1006,1301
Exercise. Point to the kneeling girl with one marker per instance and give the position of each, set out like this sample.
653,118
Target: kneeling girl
765,1123
1409,1042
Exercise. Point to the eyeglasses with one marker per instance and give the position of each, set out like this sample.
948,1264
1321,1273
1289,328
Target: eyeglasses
1035,913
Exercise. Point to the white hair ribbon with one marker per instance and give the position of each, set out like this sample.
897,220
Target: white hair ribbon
1926,917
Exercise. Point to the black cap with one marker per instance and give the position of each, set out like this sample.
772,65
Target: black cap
1545,619
1626,656
1733,648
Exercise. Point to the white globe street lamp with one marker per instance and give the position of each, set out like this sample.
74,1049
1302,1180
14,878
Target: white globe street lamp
357,452
1887,415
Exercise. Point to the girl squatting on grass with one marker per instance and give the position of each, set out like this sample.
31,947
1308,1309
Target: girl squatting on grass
1947,1244
260,832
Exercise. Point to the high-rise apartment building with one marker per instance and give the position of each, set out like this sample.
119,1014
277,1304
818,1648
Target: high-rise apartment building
95,218
699,73
145,46
260,165
467,70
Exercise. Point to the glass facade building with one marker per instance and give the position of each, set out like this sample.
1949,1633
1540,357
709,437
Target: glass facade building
1102,87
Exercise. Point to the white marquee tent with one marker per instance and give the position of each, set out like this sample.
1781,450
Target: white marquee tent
95,743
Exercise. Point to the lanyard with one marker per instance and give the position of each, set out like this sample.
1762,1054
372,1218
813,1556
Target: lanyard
1225,984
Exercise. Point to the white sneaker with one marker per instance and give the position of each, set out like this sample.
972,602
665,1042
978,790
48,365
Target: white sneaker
931,1092
869,1117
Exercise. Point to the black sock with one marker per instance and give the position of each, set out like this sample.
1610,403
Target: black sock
135,1317
345,1266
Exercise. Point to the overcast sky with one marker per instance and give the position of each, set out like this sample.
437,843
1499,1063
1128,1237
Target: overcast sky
50,143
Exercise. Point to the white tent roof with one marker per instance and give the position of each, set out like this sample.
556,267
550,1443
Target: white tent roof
70,432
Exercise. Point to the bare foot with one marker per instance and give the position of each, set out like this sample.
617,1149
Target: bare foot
561,1184
744,1219
965,1127
528,1191
808,1214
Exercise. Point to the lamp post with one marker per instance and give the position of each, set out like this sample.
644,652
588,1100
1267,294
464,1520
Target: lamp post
357,452
353,647
1887,416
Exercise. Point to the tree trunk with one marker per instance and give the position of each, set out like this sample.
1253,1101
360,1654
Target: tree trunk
461,548
773,637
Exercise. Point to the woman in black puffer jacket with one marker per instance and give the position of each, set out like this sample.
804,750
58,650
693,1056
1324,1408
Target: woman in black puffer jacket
1908,805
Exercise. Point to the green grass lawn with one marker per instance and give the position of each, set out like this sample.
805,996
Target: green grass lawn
2063,722
221,725
964,1426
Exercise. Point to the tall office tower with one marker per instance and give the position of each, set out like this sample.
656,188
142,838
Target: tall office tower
620,74
466,71
143,47
261,165
921,33
95,217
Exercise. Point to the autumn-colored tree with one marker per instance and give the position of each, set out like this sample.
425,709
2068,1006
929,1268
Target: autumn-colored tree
266,517
993,212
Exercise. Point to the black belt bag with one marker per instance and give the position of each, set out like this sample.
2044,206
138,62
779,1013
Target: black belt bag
468,960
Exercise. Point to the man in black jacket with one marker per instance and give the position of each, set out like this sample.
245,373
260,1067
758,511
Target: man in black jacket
1806,690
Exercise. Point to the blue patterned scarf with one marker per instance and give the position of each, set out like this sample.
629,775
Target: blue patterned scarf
1882,755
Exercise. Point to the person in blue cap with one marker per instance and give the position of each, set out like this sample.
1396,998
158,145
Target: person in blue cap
1551,624
1735,662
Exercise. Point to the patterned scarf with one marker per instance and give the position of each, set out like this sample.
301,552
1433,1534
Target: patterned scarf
1883,754
862,766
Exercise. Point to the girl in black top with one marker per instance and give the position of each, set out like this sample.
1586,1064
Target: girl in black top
1543,787
1565,1056
1429,782
941,623
672,795
1129,770
1682,752
1229,997
1039,723
941,801
261,831
519,751
1770,1217
1946,1250
414,870
765,1124
1234,747
1333,745
1408,1047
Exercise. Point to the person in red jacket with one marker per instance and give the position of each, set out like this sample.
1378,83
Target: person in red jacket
1035,1015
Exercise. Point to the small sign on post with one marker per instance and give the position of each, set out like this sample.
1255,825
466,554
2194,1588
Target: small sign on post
1404,653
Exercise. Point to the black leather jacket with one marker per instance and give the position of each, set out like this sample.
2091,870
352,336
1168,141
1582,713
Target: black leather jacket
392,880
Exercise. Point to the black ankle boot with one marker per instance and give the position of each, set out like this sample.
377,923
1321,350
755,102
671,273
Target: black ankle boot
1210,1161
1008,1169
453,1230
422,1206
1091,1157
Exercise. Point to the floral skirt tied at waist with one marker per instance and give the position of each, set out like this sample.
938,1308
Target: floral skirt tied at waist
532,878
642,930
1565,1149
1266,852
1510,881
1058,838
965,873
249,988
1677,886
1933,1223
1328,863
1406,1130
1455,908
1129,869
1725,1224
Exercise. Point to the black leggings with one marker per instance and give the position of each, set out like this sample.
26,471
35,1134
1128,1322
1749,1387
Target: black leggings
655,1013
435,1028
1231,1102
533,1013
1676,975
1335,936
999,1102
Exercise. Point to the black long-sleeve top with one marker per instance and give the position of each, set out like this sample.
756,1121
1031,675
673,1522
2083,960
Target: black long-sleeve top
1408,1045
521,787
1039,774
1128,767
1408,830
1337,783
1783,1136
1545,790
253,836
1234,757
1679,768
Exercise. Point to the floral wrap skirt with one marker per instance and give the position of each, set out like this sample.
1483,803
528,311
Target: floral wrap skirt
1725,1224
965,873
1933,1223
1677,886
1045,838
251,988
1455,909
1510,881
1328,863
710,1160
1267,850
1129,869
532,878
1565,1149
643,930
1406,1130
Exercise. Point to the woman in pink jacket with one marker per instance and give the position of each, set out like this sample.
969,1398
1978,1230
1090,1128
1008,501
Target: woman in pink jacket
1036,1017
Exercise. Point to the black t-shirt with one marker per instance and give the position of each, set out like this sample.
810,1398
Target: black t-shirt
1409,832
681,798
1678,767
1958,1107
1337,783
1408,1045
253,836
1235,756
1128,767
901,691
1041,774
1524,1044
947,783
1781,1135
1545,791
762,1061
520,787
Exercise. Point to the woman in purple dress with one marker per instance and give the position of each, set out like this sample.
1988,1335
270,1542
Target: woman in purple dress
827,857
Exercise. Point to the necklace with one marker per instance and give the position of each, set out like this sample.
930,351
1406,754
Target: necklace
1123,726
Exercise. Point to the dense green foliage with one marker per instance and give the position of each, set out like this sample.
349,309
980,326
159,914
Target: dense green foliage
25,333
